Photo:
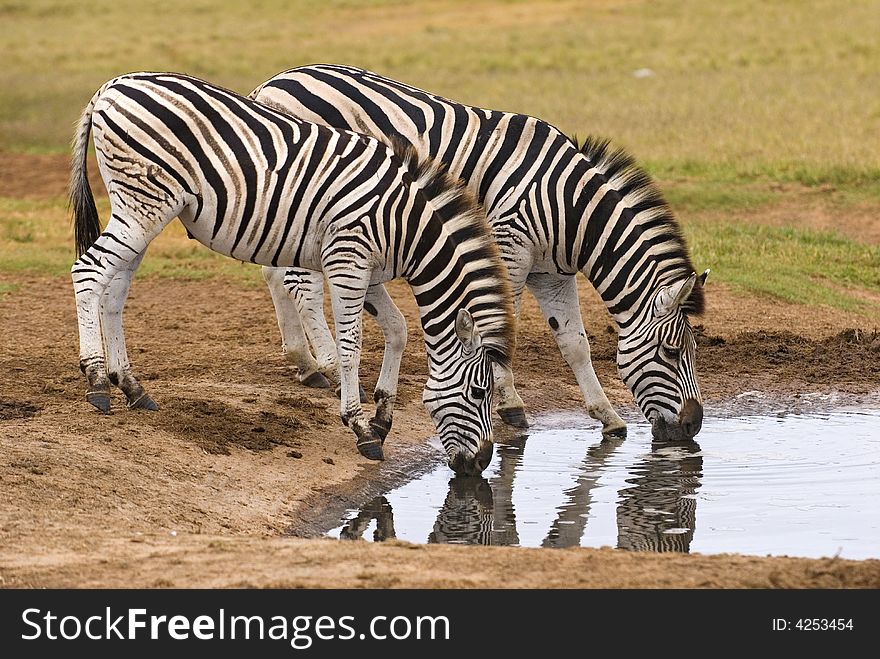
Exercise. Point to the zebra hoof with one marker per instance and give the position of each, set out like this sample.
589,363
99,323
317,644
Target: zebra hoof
514,416
316,380
145,402
100,399
381,428
617,432
371,448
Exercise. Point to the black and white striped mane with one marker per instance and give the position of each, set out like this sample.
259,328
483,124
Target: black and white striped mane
459,208
637,187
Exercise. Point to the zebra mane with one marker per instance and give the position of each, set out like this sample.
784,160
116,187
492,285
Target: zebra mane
641,194
466,220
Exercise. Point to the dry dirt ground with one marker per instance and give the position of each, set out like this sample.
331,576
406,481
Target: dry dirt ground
202,492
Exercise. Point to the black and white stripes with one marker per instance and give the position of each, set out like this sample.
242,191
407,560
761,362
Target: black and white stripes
253,183
556,208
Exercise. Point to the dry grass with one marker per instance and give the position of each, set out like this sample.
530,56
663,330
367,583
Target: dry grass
741,88
741,93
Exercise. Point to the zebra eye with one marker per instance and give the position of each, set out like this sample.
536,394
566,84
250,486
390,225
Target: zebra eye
672,353
477,393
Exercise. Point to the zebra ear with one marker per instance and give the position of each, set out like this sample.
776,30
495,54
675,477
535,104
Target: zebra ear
671,297
464,328
703,277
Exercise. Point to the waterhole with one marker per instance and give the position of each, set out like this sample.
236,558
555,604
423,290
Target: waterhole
795,485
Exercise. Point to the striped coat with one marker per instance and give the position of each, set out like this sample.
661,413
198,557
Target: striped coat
255,184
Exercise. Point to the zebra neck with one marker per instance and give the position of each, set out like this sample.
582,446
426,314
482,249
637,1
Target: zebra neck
455,268
626,295
627,241
627,263
435,270
437,318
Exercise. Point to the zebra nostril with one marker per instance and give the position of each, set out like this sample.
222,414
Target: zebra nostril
483,458
691,418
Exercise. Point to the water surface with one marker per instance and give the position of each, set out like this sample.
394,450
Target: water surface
797,485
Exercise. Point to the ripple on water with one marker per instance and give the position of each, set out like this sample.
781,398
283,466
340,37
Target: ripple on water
798,485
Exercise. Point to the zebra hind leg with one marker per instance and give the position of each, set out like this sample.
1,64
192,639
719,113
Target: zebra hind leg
558,298
117,249
294,343
306,289
118,365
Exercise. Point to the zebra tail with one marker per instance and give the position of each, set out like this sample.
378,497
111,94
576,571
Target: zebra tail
86,224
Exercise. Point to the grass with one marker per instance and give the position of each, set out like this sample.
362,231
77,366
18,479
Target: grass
36,238
742,96
796,265
782,90
6,288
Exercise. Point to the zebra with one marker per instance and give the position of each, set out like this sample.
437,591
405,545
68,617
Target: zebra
377,509
657,510
556,208
260,186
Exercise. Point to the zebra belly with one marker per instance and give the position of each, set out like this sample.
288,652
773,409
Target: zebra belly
258,239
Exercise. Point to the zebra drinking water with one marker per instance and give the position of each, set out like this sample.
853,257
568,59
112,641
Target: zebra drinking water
556,208
253,183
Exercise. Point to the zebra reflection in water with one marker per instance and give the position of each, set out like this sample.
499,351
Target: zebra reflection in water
656,511
376,509
479,511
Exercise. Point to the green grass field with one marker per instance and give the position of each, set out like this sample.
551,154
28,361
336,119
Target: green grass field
743,95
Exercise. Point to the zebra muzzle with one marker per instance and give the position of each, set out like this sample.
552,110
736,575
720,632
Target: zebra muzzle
472,465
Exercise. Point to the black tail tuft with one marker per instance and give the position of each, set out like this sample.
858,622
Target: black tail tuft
86,224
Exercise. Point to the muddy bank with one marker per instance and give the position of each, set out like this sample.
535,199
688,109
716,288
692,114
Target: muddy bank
200,493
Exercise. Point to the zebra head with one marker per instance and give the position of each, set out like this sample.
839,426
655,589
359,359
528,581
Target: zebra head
656,358
459,399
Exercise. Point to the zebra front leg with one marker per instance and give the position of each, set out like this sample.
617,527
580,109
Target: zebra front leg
348,288
380,305
294,343
509,404
510,408
118,366
306,289
557,295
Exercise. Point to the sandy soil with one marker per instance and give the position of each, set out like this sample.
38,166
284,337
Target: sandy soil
202,492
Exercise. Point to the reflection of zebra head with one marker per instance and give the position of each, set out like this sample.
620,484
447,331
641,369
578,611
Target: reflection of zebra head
467,514
658,511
